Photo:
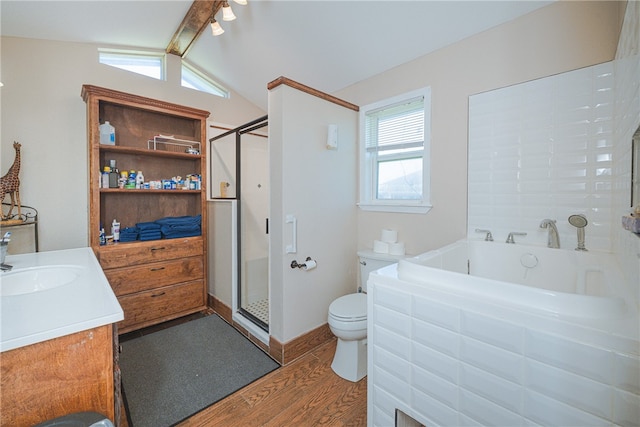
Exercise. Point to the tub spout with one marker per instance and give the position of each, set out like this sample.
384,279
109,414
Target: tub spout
553,241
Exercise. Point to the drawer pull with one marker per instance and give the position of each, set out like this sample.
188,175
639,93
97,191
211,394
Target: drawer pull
157,295
156,269
158,249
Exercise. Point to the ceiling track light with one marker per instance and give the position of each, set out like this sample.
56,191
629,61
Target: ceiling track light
227,13
216,29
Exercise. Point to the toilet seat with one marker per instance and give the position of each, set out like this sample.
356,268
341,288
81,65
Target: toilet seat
349,308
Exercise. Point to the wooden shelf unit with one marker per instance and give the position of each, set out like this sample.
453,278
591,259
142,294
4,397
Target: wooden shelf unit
161,279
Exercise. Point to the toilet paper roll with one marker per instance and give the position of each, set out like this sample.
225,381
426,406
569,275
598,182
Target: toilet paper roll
396,248
380,247
389,236
309,265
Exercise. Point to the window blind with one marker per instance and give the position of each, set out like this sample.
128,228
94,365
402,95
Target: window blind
395,127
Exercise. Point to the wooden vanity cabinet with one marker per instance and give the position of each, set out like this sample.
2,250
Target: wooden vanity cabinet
61,376
155,280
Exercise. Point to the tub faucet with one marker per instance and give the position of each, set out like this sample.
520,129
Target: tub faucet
553,241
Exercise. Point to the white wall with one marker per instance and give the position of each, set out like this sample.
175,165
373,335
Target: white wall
318,187
557,38
42,109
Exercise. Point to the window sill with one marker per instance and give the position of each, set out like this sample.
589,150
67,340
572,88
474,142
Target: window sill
395,208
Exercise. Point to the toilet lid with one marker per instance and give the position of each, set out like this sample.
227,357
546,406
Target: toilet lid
350,307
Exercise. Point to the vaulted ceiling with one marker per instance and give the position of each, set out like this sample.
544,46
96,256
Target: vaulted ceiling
327,44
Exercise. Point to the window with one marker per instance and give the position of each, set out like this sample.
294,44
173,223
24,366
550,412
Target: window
394,154
145,63
194,79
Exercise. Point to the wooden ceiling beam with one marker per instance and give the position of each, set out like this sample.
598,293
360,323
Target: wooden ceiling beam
194,22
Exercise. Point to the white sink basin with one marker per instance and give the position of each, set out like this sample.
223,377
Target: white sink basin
37,279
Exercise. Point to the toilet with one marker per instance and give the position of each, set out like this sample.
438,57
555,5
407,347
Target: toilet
348,320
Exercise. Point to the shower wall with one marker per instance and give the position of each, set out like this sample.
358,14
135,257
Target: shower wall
544,149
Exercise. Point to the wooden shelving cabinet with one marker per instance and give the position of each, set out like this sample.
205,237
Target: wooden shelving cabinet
155,280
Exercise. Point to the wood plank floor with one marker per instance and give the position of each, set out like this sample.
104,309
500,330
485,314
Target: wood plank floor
304,393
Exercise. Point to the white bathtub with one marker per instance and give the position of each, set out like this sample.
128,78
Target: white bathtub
563,283
488,333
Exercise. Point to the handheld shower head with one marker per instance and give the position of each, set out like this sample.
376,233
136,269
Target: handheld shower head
578,220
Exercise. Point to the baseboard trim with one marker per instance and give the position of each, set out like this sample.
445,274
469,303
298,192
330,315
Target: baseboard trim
283,353
297,347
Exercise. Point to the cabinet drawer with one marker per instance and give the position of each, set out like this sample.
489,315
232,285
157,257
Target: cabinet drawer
162,302
126,254
128,280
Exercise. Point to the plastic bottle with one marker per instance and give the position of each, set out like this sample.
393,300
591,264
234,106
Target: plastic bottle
105,177
124,178
131,183
107,134
115,230
139,180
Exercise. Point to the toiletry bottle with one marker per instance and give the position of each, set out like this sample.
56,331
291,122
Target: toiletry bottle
139,180
115,230
113,176
124,178
105,177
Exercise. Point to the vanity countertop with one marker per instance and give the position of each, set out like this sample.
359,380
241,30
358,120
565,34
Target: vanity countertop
83,303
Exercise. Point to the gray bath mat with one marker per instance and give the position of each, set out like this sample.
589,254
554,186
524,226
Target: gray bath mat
171,374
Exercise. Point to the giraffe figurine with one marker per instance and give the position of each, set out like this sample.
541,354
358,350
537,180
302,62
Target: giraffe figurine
10,183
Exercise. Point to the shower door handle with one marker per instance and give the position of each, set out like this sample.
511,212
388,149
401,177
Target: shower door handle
266,224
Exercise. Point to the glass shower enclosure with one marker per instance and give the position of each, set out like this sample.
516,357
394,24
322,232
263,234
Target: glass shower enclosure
240,170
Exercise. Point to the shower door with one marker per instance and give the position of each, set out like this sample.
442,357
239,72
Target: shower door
253,291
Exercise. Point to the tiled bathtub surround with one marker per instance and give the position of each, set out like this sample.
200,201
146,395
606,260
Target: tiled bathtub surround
563,147
448,360
544,149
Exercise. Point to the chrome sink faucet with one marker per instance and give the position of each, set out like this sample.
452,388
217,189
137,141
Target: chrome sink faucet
553,240
4,245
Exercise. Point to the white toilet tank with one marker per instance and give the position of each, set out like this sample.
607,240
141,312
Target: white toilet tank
371,261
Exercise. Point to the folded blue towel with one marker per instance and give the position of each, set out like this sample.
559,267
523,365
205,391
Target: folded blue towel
182,226
183,234
150,236
143,226
180,220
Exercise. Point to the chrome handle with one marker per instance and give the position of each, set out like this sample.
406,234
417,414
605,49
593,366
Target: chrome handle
513,233
488,237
